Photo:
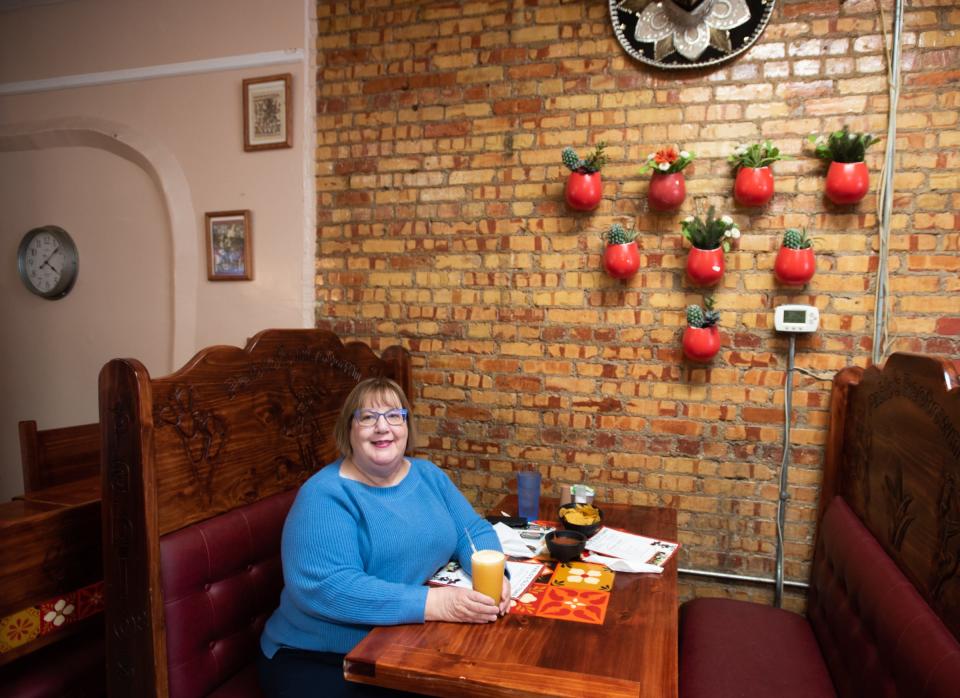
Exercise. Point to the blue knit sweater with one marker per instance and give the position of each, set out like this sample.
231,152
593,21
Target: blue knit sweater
356,556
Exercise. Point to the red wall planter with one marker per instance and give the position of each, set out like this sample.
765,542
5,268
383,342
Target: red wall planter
795,267
583,191
667,191
847,182
753,186
621,261
701,343
705,267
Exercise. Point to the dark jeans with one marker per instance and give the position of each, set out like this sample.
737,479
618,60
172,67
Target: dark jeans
305,674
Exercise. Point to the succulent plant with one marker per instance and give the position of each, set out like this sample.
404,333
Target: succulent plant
796,239
618,235
570,158
756,155
593,162
842,145
703,317
710,234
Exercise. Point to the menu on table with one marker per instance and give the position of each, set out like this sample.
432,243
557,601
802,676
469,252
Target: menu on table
640,553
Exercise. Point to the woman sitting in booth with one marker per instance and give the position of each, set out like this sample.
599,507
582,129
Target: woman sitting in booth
362,537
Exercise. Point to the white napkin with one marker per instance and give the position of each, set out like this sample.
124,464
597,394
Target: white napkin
513,545
619,564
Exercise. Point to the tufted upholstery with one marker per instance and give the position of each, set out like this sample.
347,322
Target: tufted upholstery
877,634
869,632
221,579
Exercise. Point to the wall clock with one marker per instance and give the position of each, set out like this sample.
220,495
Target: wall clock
48,262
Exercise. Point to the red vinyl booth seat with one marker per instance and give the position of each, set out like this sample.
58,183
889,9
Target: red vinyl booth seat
869,632
221,581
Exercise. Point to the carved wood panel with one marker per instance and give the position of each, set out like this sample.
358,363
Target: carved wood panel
899,469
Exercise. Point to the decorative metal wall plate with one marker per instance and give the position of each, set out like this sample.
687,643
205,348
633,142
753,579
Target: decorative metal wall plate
677,34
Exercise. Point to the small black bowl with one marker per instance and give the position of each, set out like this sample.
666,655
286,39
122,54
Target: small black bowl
565,545
588,529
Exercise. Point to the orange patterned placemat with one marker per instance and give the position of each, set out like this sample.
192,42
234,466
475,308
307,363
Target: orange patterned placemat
575,591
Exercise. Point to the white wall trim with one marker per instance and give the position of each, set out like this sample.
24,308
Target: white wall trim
309,269
209,65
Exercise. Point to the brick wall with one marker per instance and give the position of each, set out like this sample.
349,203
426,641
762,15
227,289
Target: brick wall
441,226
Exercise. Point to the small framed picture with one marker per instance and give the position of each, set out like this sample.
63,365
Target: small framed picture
229,242
267,112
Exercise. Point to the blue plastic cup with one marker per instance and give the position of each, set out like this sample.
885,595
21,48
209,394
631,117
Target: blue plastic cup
528,495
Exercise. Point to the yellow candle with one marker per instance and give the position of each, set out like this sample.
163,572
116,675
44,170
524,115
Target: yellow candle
488,572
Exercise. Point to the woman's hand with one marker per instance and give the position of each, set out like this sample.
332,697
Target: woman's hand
458,605
505,597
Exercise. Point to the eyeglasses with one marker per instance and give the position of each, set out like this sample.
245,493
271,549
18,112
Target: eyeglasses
369,418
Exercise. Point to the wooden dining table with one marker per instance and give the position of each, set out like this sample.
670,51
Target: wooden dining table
632,653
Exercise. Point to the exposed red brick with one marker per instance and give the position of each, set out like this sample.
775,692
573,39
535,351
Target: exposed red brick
440,130
474,262
518,106
948,325
352,198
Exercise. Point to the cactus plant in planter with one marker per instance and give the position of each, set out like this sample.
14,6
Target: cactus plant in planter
621,258
584,187
701,338
795,263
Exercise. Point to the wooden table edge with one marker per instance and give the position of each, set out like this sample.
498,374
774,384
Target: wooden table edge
476,677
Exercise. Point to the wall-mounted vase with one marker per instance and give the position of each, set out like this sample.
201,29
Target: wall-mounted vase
753,186
847,182
583,191
705,267
667,191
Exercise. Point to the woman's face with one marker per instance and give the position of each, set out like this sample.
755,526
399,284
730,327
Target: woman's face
379,449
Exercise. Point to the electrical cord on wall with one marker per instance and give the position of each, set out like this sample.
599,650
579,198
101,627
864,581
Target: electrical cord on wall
784,464
885,192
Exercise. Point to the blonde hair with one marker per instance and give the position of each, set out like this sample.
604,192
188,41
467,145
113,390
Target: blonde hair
378,387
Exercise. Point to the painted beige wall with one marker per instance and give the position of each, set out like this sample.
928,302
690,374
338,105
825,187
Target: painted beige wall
54,350
130,168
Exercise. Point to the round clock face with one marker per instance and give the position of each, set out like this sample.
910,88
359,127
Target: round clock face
48,262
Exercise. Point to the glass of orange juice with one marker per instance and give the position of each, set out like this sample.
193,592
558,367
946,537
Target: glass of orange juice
488,572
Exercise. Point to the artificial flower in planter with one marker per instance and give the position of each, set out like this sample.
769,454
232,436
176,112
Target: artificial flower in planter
795,263
848,178
709,240
584,185
701,338
621,258
667,185
754,183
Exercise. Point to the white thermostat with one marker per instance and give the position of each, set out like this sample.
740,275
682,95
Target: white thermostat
796,318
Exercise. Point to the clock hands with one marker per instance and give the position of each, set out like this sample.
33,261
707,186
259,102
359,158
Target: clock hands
47,260
50,256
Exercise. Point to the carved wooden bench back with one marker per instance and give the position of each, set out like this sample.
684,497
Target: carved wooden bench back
894,456
232,427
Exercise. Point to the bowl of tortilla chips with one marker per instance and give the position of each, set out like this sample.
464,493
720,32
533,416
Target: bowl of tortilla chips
585,518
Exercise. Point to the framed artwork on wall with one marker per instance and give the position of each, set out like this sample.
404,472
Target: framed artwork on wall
268,112
229,241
